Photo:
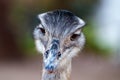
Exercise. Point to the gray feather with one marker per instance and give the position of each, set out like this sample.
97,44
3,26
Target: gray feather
60,23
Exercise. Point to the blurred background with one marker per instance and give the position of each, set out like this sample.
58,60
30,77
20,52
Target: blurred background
100,58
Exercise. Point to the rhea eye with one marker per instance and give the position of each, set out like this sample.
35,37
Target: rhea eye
74,37
42,30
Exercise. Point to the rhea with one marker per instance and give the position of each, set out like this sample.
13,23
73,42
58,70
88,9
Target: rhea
59,38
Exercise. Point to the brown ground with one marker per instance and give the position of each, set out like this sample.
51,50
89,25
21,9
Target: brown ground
83,68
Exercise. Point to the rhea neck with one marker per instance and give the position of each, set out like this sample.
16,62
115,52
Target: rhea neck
62,73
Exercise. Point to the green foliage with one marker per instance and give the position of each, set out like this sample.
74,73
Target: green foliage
27,45
91,43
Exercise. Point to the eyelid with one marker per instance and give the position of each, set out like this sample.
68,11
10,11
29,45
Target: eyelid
40,25
77,31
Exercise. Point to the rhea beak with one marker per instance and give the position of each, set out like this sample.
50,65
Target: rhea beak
51,56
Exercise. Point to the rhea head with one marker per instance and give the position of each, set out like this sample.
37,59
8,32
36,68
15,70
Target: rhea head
58,37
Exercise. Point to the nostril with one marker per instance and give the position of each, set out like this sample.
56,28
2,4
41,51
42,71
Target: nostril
46,54
59,55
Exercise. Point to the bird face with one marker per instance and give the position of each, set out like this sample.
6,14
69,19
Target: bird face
58,37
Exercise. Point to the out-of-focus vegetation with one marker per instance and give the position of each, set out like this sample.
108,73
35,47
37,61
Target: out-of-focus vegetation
91,43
